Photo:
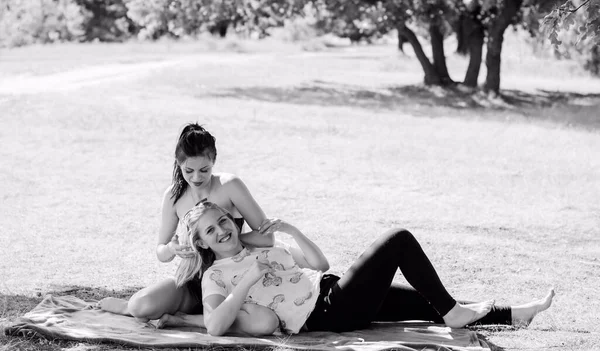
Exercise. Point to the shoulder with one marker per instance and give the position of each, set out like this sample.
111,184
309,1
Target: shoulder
168,191
168,201
226,178
229,181
212,274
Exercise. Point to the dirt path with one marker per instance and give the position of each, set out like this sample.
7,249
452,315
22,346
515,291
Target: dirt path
104,73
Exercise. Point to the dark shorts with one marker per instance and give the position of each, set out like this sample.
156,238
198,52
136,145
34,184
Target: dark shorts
194,286
319,316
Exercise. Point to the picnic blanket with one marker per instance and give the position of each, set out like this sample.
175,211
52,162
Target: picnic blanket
68,317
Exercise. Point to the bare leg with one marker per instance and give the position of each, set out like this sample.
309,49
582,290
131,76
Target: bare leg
522,315
153,301
114,305
461,315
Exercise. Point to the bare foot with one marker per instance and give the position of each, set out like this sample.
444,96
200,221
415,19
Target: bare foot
461,315
523,314
114,305
142,320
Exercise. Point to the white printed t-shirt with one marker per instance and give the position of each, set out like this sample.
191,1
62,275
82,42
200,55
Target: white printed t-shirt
291,292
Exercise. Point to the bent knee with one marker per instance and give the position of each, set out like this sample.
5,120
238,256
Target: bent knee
267,325
399,234
262,320
139,306
143,306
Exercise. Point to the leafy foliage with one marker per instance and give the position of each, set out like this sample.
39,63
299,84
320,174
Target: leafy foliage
179,18
24,22
353,19
105,20
583,16
366,19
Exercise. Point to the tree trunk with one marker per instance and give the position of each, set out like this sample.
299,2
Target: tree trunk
401,41
494,44
474,35
431,75
437,48
462,47
220,28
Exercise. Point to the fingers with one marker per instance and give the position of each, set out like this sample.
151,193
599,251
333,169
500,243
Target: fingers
163,321
269,226
263,225
264,266
182,251
186,253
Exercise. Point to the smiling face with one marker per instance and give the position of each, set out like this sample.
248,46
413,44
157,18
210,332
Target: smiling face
219,233
197,171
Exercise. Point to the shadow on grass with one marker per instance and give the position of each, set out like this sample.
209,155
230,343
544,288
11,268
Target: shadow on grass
567,108
492,346
14,306
483,331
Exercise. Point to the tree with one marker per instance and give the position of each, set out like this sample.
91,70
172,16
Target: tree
564,16
472,35
106,20
504,14
24,22
472,19
580,19
356,20
431,16
178,18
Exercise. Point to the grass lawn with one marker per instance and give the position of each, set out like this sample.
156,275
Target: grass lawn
345,144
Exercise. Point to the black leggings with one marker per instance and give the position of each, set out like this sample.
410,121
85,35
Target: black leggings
366,293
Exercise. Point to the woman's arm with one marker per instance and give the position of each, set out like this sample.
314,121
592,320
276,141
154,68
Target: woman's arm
180,319
251,319
253,214
221,312
168,247
307,254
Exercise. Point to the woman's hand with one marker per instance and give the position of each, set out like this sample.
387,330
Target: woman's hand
220,312
259,268
307,254
177,249
169,320
268,226
278,225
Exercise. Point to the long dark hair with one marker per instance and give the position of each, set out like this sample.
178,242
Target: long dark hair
193,141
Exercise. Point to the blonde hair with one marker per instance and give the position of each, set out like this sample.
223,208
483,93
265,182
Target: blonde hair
190,267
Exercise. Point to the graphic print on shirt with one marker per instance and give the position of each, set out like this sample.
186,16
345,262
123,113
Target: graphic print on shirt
271,279
237,278
217,277
301,300
263,255
277,299
277,266
288,290
296,277
249,299
240,257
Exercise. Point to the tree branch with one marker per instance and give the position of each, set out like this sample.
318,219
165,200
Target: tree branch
580,6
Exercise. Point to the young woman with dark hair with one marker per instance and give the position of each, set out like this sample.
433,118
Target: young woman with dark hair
193,182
